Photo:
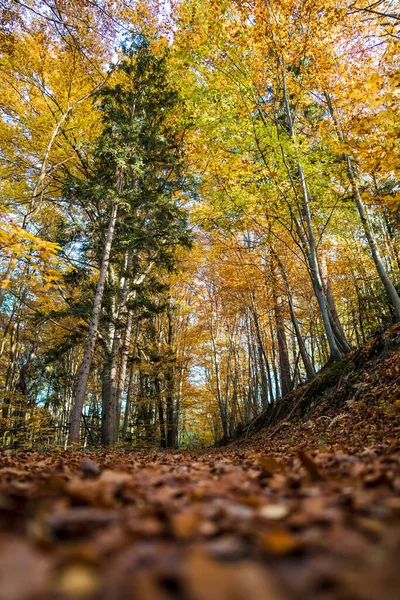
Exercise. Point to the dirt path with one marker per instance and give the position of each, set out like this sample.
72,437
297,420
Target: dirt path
234,524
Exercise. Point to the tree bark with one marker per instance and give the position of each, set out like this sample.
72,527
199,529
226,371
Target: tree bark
111,417
284,363
391,291
302,347
333,313
113,412
122,369
161,418
171,437
311,243
221,404
128,400
92,336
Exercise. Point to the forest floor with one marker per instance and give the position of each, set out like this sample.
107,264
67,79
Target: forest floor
303,511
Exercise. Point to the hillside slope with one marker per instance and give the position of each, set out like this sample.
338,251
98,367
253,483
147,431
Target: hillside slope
358,397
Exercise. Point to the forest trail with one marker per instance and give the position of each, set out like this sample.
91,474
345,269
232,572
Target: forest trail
281,519
199,241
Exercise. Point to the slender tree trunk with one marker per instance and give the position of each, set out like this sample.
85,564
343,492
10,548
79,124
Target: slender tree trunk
264,379
262,351
170,413
316,276
128,400
391,291
284,362
105,381
112,415
311,243
274,361
393,240
177,415
334,317
110,407
169,378
93,329
113,405
161,418
222,410
122,369
302,347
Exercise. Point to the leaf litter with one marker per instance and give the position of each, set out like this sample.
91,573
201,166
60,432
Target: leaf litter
284,519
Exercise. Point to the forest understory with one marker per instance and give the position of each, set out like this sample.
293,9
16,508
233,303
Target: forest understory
306,508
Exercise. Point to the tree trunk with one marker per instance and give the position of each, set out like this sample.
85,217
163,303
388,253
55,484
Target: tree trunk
122,370
274,370
302,347
93,329
311,243
262,351
284,363
171,438
112,416
334,316
161,418
315,272
391,291
222,408
128,400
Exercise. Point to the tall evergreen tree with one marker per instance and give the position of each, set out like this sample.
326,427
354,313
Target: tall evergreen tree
136,174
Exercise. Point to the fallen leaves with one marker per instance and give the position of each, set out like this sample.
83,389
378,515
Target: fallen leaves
78,521
100,492
269,464
206,579
280,542
185,524
311,467
24,571
280,522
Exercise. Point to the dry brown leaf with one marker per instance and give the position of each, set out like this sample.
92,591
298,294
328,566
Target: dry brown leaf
99,492
279,542
311,467
206,579
269,464
24,572
186,523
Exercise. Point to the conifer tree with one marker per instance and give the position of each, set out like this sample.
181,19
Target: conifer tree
136,173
